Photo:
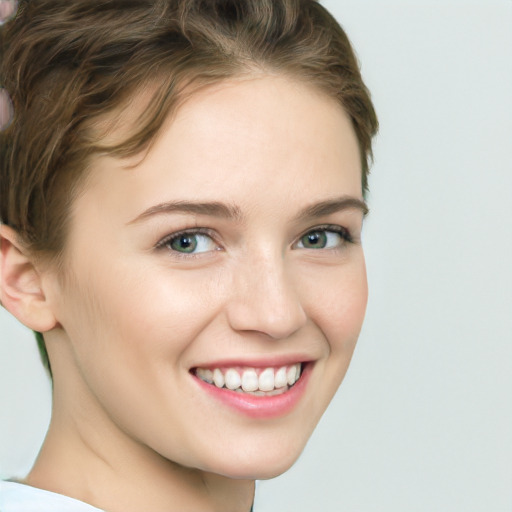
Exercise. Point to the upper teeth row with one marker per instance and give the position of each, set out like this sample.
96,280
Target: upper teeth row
249,380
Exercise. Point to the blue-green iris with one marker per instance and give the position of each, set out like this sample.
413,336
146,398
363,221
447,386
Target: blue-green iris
314,240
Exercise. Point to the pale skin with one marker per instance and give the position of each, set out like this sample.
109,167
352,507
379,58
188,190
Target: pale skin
131,430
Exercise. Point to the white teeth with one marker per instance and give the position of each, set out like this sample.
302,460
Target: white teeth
218,378
266,380
249,380
205,374
278,391
292,374
281,379
232,378
269,382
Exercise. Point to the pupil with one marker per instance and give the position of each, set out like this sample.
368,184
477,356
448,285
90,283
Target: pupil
184,243
316,240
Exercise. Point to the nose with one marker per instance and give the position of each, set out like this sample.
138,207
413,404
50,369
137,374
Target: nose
265,300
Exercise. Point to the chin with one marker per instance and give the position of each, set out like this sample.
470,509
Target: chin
258,471
259,463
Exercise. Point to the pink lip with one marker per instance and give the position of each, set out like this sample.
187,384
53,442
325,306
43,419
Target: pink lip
260,406
267,362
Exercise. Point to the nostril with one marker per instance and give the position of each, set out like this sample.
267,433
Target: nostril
277,321
265,300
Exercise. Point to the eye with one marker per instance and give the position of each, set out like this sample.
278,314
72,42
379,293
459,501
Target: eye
324,238
189,242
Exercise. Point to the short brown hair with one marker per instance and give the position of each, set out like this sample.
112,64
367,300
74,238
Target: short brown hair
68,64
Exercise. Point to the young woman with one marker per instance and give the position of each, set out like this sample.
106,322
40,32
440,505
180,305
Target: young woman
182,197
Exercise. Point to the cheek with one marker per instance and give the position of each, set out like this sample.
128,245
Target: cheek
167,306
128,336
339,305
140,318
339,314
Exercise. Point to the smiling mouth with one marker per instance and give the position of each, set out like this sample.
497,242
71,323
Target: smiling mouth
268,381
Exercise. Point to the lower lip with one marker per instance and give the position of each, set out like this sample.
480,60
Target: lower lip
261,406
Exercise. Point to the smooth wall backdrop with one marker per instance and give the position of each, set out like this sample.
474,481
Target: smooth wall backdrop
423,421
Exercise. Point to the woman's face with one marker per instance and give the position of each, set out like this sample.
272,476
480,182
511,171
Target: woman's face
230,254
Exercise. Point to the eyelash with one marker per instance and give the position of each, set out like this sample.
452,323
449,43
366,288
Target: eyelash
164,243
343,232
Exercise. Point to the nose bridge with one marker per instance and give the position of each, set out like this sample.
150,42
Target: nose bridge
265,298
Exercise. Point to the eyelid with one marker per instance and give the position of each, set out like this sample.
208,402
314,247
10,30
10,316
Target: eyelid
189,231
161,244
335,228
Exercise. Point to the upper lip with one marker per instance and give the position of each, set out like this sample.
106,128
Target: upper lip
257,362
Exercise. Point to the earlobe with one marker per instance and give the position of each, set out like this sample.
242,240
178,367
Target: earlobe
21,290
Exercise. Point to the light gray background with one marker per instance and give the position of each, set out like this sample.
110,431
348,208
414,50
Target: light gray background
423,421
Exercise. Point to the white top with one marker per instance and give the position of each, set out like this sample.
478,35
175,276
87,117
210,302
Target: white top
15,497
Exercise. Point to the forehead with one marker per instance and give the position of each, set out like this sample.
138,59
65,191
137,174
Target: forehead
237,138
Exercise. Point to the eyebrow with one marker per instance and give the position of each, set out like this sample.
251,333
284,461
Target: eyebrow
211,209
332,206
233,212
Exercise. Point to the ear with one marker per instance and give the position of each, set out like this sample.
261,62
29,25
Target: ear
21,290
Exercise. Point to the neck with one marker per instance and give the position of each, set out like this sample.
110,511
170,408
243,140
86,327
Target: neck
98,464
134,482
